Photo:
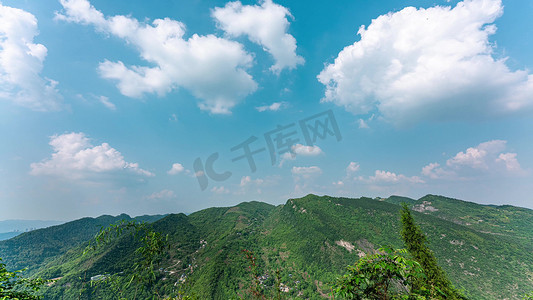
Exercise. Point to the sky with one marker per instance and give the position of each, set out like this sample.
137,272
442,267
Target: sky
153,107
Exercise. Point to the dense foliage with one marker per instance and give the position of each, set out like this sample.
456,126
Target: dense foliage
300,248
32,250
13,286
387,274
435,280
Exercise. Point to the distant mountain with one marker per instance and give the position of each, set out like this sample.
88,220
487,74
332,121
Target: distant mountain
8,235
486,250
34,248
25,225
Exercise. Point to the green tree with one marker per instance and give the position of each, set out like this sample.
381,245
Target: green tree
13,286
151,251
385,275
435,282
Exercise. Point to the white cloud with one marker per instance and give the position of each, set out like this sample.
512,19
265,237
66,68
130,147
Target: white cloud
435,171
352,168
305,179
247,180
488,158
363,124
265,25
386,177
477,157
428,64
303,150
175,169
21,62
511,162
220,190
249,185
272,107
105,101
300,150
306,172
74,157
213,69
164,194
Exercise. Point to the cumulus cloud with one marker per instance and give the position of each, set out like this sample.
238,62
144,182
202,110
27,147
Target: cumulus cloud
352,168
265,25
247,180
477,157
220,190
386,177
21,62
363,124
213,69
428,64
249,185
510,161
339,183
300,150
164,194
175,169
488,158
272,107
435,171
75,157
306,172
304,179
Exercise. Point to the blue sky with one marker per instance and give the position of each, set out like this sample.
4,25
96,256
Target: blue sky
106,105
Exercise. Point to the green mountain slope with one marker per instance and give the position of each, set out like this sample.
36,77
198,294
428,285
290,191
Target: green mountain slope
497,220
305,244
35,248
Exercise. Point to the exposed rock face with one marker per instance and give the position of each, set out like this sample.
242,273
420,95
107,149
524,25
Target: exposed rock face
424,206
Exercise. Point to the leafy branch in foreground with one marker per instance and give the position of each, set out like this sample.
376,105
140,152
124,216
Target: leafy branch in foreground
387,274
152,250
13,286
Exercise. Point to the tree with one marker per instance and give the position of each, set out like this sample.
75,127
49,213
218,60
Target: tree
151,251
436,282
13,286
385,275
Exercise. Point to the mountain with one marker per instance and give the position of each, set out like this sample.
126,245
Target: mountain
12,228
8,235
304,244
25,225
34,248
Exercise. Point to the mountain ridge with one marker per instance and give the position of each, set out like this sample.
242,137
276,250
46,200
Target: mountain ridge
311,240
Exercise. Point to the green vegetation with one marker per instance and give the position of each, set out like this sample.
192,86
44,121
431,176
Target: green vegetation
387,274
33,250
13,286
300,248
143,272
435,282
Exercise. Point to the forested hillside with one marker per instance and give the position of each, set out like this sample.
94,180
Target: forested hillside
300,247
35,248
